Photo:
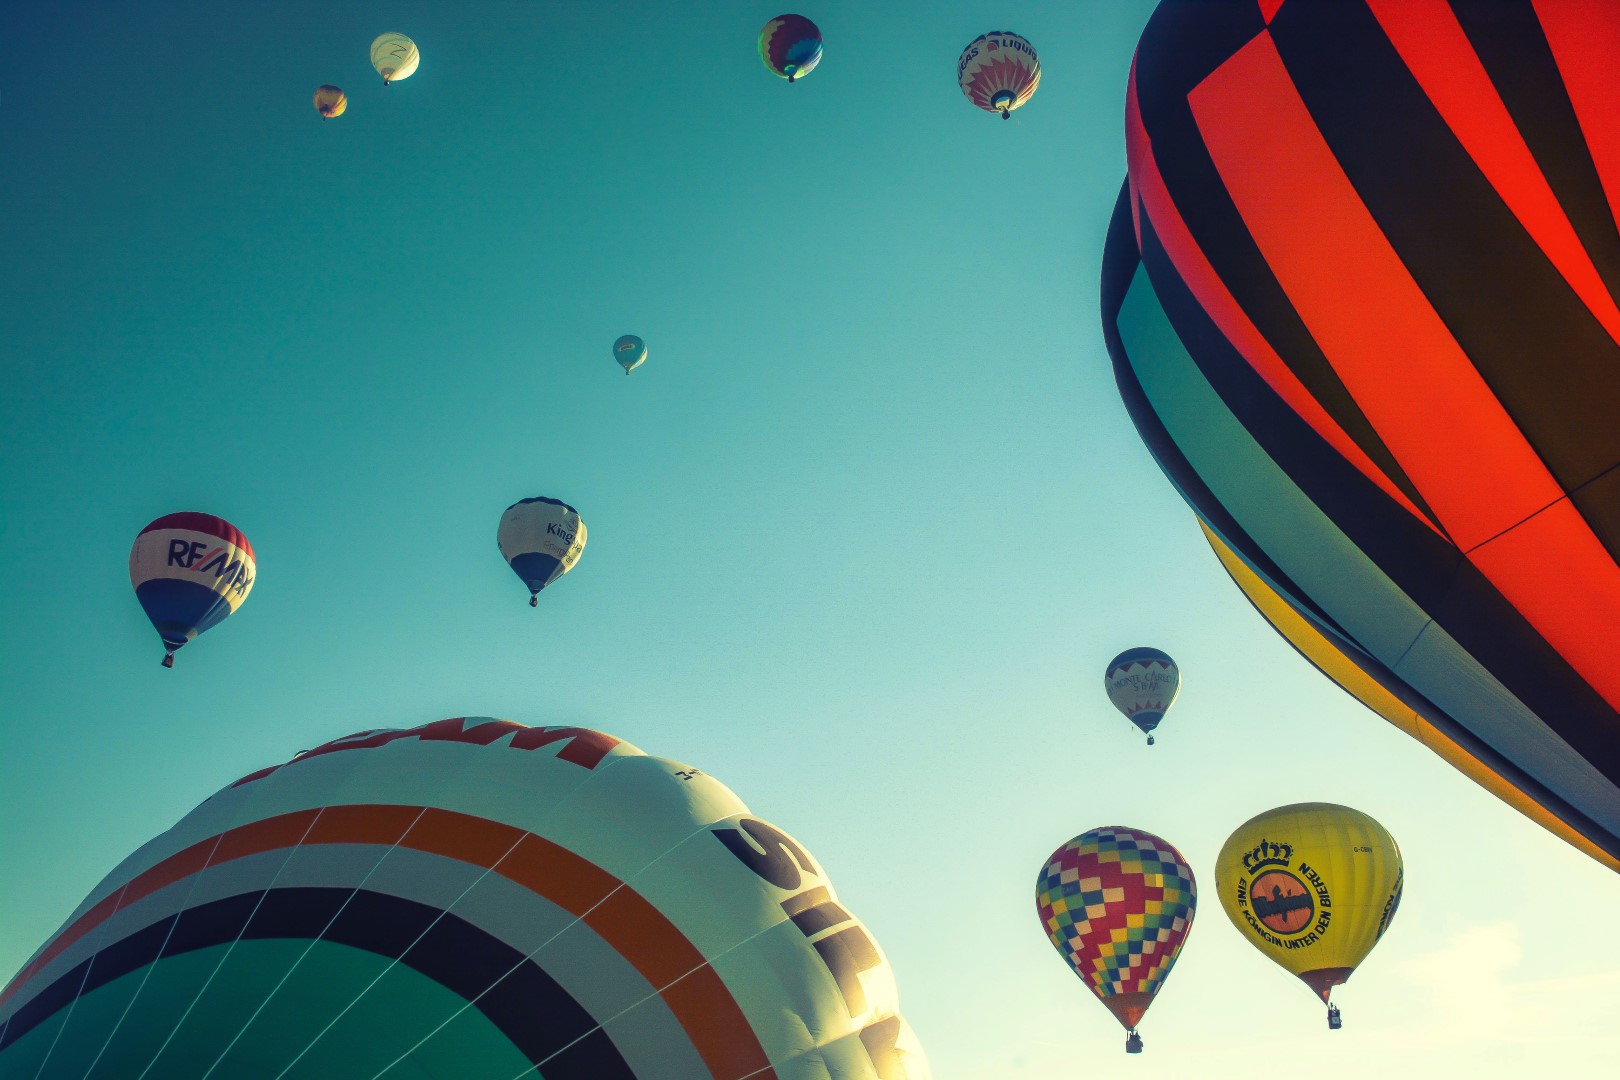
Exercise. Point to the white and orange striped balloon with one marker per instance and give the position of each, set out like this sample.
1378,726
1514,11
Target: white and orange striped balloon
473,898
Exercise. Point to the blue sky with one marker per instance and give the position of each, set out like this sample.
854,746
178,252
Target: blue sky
864,530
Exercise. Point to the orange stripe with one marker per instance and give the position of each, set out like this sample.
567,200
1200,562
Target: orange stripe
1148,188
1583,37
635,929
1435,49
1443,424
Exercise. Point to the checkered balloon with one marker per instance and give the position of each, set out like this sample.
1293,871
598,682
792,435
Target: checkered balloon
1117,904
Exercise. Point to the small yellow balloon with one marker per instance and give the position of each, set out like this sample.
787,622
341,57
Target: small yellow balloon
1313,886
330,102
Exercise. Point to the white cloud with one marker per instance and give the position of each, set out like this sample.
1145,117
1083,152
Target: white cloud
1472,997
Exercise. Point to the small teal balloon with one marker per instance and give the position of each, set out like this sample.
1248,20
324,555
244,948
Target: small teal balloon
630,351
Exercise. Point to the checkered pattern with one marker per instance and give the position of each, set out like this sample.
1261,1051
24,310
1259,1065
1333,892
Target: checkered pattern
1117,904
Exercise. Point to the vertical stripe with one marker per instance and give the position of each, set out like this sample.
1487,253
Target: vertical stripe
1585,42
1435,49
1480,478
1472,464
1148,188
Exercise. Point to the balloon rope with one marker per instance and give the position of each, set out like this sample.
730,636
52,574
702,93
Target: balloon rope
660,993
541,947
203,989
191,889
87,968
312,942
394,961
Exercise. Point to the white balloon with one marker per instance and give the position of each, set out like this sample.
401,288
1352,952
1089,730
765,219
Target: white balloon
394,56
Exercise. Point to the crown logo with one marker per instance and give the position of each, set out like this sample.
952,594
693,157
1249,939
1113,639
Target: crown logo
1266,853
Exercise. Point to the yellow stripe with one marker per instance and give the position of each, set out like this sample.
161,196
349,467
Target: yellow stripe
1344,671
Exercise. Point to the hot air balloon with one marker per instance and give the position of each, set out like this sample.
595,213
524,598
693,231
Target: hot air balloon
790,45
542,540
190,572
470,898
1143,684
394,56
1313,886
630,352
1117,904
999,72
1314,189
330,102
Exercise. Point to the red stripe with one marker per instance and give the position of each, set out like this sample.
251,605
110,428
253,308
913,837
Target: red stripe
635,929
1433,46
203,523
1556,572
1148,189
1585,40
1470,462
1445,427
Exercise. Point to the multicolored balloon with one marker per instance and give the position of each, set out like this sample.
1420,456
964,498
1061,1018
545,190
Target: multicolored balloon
330,101
999,72
190,572
1118,904
541,539
470,898
630,352
1315,188
790,45
394,56
1143,684
1313,886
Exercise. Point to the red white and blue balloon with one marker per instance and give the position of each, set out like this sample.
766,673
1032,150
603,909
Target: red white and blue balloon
190,572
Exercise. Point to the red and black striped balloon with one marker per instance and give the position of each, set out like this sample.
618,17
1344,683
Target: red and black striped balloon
1362,305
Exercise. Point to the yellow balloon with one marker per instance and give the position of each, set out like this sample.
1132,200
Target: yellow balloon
330,102
394,56
1313,886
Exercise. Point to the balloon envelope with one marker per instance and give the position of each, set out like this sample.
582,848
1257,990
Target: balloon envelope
394,56
190,572
330,101
1313,886
1117,904
790,45
998,71
1349,182
630,352
541,539
1143,684
472,897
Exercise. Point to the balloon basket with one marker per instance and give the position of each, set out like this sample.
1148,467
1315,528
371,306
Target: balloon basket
168,660
534,601
1335,1021
1133,1042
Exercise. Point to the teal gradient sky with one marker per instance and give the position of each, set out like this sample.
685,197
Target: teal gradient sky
864,529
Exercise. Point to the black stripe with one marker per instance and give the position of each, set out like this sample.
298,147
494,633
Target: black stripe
1507,36
1531,338
1413,556
1183,43
1121,264
527,1005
